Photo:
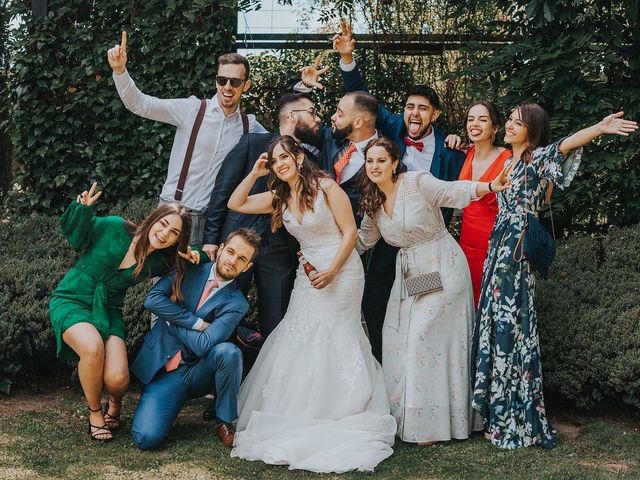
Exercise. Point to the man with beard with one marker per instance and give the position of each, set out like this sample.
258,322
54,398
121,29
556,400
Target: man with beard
275,264
274,268
422,147
187,353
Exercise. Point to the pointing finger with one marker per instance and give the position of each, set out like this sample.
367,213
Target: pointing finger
317,61
123,42
323,70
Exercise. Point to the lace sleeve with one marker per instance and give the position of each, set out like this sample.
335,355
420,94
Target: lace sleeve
368,234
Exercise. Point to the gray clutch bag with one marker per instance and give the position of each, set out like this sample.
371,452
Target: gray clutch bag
423,283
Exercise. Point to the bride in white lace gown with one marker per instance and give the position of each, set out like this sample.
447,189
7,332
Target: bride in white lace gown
315,399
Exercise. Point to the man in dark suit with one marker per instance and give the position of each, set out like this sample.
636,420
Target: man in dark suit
275,264
187,354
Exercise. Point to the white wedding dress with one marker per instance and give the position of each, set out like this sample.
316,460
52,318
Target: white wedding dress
315,399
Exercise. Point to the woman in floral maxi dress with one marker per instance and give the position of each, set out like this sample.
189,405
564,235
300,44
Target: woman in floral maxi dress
508,376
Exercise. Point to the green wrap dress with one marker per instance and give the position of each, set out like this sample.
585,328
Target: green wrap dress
93,290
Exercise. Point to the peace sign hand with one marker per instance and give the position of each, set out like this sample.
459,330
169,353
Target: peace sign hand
613,124
502,182
311,74
88,198
260,167
117,55
192,256
343,42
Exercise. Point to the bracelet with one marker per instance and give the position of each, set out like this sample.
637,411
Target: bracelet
306,84
490,189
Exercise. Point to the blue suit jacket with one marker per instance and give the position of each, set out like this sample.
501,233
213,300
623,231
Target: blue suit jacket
446,164
223,310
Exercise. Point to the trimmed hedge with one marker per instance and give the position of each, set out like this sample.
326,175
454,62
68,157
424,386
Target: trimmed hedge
589,315
589,309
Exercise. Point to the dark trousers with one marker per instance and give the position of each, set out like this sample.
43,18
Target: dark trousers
162,399
381,272
274,271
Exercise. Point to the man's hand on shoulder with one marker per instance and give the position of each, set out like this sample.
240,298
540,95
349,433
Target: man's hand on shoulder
117,56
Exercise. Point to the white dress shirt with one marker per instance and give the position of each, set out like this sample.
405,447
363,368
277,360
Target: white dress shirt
420,160
221,285
217,136
357,159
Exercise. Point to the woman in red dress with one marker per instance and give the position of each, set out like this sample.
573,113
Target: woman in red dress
485,160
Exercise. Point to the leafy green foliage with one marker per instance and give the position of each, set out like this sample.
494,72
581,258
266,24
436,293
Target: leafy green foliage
68,125
580,60
589,318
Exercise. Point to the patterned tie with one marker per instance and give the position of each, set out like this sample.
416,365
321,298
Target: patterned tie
343,162
410,143
174,362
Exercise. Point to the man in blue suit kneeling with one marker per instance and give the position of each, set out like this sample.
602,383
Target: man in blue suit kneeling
187,353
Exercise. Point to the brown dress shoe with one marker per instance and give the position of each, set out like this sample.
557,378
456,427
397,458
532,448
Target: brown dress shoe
224,431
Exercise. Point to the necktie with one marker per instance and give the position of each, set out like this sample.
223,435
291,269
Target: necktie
410,143
174,362
344,160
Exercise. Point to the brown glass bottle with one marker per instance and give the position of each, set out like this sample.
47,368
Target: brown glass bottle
308,268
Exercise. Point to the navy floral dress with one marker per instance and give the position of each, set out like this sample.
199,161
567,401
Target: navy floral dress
507,374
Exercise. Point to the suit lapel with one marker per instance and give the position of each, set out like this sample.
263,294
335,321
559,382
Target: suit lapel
436,163
214,301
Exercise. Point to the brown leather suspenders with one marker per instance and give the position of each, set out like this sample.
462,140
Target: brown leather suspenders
192,143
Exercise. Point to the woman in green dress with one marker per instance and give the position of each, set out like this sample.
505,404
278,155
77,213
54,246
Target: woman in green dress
86,307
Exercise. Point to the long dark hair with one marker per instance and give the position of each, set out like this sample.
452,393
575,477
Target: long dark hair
494,115
172,259
536,119
309,178
372,197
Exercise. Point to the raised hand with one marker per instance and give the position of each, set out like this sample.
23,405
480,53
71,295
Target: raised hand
614,125
260,167
343,42
88,198
502,182
117,56
311,74
191,256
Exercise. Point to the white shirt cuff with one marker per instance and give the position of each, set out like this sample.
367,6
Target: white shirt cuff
302,88
198,324
347,67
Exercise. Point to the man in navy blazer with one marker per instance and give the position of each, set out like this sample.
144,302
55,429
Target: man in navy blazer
187,354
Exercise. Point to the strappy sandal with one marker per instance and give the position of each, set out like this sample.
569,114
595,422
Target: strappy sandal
99,432
112,421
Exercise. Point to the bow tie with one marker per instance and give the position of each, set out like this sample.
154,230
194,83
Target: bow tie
410,143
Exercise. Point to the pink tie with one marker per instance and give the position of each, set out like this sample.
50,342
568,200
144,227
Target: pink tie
174,362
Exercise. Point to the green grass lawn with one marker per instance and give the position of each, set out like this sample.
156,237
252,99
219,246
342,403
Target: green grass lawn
46,437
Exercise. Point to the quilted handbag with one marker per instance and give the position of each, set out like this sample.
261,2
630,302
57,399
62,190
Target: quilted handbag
423,283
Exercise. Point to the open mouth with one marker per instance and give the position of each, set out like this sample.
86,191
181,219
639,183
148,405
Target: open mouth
159,239
283,170
414,127
475,132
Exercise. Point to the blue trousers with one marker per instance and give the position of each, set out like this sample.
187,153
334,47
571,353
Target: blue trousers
163,398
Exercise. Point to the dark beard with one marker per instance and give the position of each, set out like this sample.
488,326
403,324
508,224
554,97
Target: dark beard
341,133
307,135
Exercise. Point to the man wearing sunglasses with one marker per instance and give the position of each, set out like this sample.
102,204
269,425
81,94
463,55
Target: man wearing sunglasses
221,126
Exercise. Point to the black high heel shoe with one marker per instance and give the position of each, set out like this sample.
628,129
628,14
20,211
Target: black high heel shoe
100,434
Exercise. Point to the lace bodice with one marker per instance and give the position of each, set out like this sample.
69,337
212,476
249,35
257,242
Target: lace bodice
318,234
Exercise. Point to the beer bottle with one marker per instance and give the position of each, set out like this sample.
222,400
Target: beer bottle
308,268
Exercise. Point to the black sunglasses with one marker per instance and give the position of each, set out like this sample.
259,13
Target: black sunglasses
235,82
